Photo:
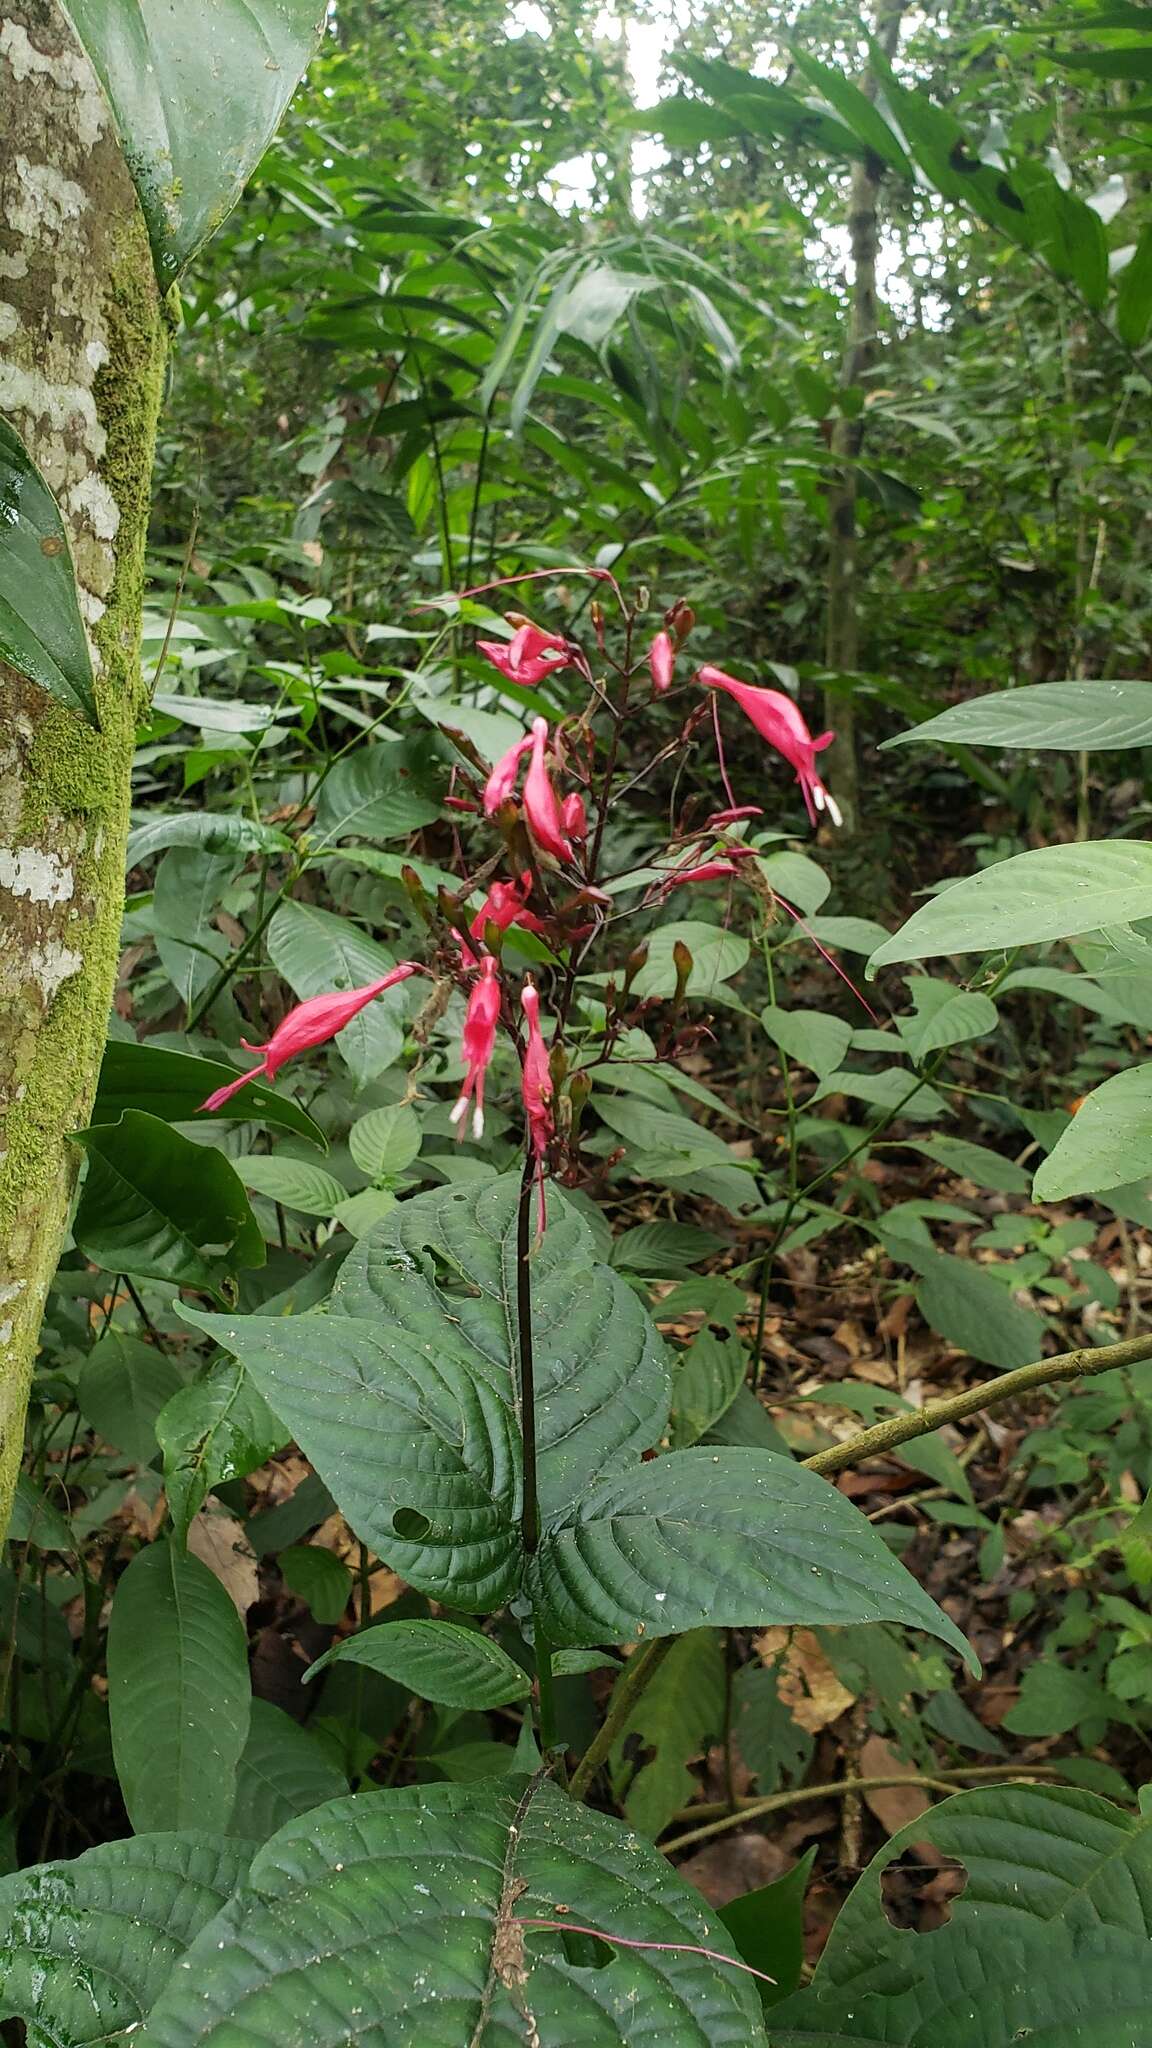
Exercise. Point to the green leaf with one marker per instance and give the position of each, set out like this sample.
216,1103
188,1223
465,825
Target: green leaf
87,1946
283,1771
944,1016
707,1381
716,956
733,1538
456,1875
160,1206
222,1428
375,793
1055,1698
1070,717
298,1183
666,1140
856,111
1134,296
36,1521
966,1304
359,1214
123,1385
178,1691
316,952
849,934
809,1037
976,1163
197,98
1052,893
891,1090
767,1926
210,830
681,1711
172,1085
186,895
1108,1142
41,631
319,1577
386,1140
1048,1939
437,1660
662,1250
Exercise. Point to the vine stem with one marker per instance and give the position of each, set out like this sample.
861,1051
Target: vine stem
901,1429
841,1788
631,1685
530,1506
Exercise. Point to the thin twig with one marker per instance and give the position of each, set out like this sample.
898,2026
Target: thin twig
842,1788
631,1685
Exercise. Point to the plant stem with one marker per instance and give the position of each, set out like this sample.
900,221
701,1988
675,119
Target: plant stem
901,1429
842,1788
530,1509
631,1685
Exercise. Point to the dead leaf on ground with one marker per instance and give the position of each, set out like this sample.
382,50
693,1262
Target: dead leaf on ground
894,1806
735,1864
805,1680
218,1540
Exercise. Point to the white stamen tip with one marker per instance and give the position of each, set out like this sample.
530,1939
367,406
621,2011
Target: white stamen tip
459,1110
834,811
819,795
478,1123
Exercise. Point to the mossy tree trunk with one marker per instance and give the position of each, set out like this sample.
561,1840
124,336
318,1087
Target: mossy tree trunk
81,364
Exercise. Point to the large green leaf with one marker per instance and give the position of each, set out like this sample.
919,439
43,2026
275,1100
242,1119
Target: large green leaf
41,630
380,792
1049,1941
810,1037
680,1712
316,952
405,1917
197,94
1134,297
86,1947
944,1016
444,1266
213,831
735,1538
221,1428
1072,717
283,1771
297,1183
156,1204
123,1386
716,956
966,1304
437,1660
185,898
1052,893
178,1691
172,1085
1108,1142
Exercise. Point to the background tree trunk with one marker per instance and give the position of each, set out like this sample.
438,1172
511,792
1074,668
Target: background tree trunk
81,363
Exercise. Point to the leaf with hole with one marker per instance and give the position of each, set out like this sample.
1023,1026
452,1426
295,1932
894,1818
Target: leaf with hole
197,97
730,1538
41,630
178,1691
457,1876
157,1205
87,1946
1054,892
1048,1939
437,1660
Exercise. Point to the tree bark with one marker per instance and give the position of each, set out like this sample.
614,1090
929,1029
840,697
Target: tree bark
842,635
82,349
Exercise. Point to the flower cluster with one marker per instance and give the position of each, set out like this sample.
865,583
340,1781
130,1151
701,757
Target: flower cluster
545,829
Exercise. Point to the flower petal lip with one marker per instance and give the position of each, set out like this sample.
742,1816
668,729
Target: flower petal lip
782,723
309,1023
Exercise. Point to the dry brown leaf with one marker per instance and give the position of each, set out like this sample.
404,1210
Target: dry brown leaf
733,1865
893,1805
218,1540
805,1680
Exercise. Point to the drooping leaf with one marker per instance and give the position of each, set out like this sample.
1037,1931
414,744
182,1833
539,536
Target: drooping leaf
767,1926
1052,893
456,1875
197,97
41,631
211,831
86,1946
221,1428
158,1205
376,793
317,952
297,1183
36,1521
681,1711
1049,1938
732,1538
178,1691
124,1383
283,1771
1070,717
319,1577
172,1085
809,1037
975,1162
436,1660
966,1304
1108,1142
944,1016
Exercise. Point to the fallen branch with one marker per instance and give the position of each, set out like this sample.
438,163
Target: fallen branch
803,1795
901,1429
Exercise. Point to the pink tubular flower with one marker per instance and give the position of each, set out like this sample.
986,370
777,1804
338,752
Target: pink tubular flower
530,655
502,781
540,806
778,720
310,1023
536,1087
477,1045
708,871
503,906
574,817
662,661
